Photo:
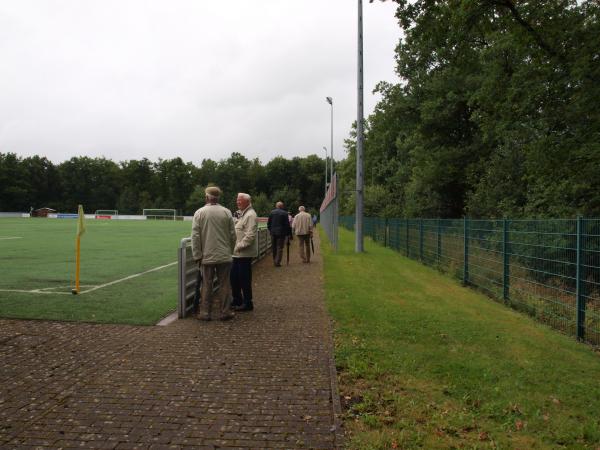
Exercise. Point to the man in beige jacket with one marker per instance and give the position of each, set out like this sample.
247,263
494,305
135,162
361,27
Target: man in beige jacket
303,228
246,248
213,241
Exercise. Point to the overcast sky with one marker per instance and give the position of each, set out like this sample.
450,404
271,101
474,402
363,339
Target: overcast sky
128,79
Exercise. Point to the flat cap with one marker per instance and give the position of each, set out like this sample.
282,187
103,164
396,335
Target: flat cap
213,190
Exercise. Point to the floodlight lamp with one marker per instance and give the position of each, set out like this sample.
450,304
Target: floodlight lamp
329,100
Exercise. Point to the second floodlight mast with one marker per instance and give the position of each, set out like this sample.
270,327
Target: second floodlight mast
326,157
330,101
358,226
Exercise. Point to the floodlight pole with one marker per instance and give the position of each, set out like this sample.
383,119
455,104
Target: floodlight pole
358,226
325,148
330,101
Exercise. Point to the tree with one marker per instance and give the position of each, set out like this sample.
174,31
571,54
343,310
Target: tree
94,183
495,115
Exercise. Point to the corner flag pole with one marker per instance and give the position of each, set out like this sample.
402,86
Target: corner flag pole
80,231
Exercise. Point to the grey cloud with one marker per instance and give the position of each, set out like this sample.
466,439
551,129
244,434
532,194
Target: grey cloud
133,79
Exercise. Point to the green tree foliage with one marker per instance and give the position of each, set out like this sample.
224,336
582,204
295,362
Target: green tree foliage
262,205
133,185
14,184
496,113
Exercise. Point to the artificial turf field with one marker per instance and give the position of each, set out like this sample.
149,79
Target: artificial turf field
37,269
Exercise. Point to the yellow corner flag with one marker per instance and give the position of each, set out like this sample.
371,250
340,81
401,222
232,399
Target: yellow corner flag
80,231
80,221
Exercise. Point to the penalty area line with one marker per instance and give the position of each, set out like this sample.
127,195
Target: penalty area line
10,237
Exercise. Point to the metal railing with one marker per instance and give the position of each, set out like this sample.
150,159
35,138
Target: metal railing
549,269
329,213
188,274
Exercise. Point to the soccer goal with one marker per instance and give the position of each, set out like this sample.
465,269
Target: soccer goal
106,212
159,214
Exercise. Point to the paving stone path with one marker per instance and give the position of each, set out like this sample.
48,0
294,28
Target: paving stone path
263,380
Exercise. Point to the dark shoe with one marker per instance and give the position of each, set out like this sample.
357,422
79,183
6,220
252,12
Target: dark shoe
243,308
227,316
277,265
203,317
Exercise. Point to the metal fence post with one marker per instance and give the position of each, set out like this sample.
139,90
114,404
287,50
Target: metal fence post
579,279
386,237
421,240
505,261
407,251
439,241
466,252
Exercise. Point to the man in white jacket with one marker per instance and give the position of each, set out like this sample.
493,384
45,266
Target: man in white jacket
246,248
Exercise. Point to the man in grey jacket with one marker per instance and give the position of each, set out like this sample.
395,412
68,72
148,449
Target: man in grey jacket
213,242
246,248
303,229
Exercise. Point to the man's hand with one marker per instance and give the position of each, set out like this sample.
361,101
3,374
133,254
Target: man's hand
237,248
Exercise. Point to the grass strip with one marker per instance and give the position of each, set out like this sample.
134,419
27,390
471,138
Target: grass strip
426,363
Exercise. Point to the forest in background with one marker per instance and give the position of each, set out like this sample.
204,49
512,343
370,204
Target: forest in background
497,115
130,186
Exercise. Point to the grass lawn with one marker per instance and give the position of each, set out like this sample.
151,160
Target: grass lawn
39,255
426,363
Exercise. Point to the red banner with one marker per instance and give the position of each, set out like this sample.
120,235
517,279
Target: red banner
331,193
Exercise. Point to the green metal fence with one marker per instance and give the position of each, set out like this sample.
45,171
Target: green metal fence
549,269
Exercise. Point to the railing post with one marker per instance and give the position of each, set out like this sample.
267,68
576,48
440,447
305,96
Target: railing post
505,261
466,252
439,241
387,234
407,251
579,286
421,240
181,269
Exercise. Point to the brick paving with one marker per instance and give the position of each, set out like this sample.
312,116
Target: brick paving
263,380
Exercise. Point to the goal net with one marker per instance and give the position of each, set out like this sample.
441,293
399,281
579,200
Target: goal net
105,213
159,214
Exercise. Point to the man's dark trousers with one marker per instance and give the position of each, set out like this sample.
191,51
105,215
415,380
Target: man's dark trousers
277,243
241,282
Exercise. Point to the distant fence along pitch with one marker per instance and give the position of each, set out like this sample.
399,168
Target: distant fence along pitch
549,269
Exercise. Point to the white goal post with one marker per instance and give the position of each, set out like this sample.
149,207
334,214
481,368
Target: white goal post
159,214
106,212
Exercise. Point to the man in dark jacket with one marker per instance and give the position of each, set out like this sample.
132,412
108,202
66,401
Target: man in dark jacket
279,227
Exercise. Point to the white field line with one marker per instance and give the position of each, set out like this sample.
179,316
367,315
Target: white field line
47,291
127,278
34,291
10,237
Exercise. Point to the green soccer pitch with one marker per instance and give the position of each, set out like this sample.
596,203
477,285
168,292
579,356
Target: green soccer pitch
128,270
